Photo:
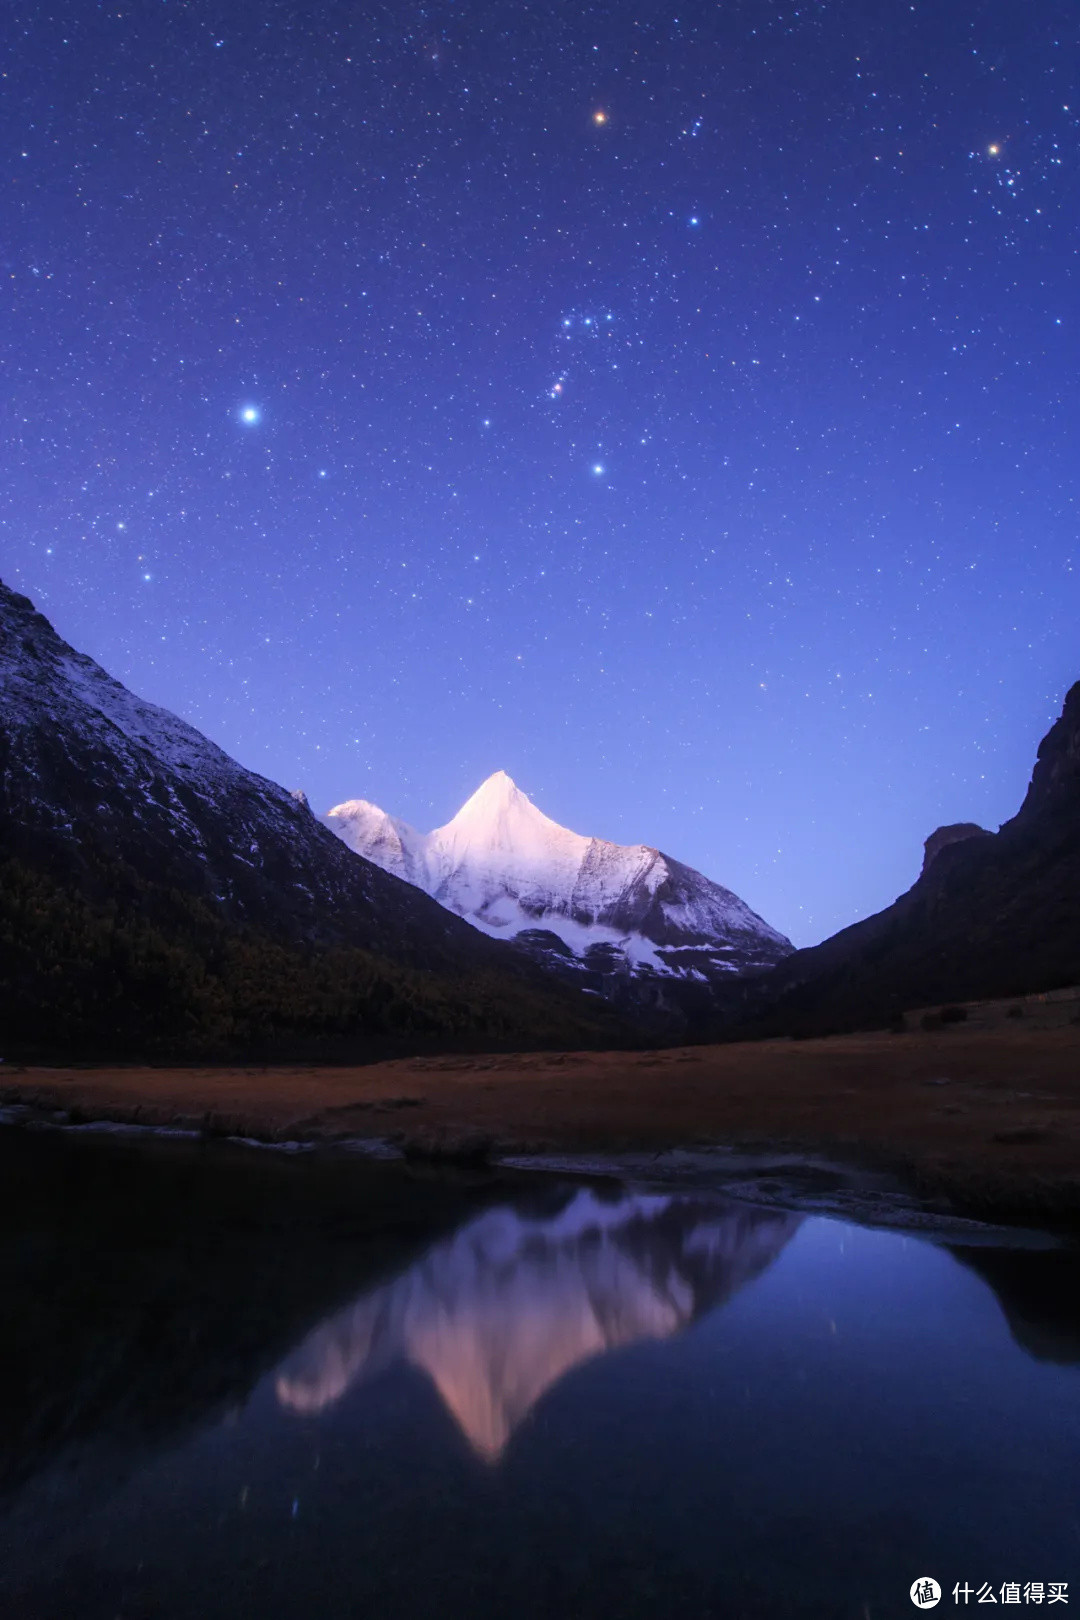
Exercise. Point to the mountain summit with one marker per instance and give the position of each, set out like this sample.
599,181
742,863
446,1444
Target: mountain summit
513,872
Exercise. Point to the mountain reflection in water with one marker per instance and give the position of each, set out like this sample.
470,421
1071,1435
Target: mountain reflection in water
180,1438
499,1311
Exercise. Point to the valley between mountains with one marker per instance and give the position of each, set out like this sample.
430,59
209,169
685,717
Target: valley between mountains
161,904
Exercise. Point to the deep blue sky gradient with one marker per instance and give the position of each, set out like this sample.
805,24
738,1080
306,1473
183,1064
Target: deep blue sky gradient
712,469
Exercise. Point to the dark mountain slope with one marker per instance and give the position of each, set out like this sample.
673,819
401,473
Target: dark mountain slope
88,770
990,915
155,895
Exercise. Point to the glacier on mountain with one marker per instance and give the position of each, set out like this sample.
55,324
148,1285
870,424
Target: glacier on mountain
511,871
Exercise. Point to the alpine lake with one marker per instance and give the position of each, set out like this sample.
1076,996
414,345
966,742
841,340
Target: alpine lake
242,1384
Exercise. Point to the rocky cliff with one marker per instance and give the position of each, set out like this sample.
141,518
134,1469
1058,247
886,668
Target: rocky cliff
990,915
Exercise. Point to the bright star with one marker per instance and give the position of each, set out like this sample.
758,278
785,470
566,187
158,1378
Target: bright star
694,220
599,116
250,414
994,150
597,469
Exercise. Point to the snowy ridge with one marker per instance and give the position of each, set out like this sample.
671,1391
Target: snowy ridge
40,675
90,772
508,869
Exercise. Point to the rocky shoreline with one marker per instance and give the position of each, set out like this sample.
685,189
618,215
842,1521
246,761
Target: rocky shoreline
977,1122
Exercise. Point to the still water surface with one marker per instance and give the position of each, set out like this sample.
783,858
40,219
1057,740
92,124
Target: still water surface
239,1389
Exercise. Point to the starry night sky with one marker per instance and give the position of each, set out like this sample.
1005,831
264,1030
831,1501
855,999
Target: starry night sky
675,406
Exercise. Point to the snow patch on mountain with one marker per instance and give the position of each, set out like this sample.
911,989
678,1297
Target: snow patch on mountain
509,869
390,843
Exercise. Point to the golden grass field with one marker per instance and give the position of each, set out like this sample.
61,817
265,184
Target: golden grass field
987,1109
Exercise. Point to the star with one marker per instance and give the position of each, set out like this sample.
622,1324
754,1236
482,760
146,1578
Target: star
599,116
993,150
250,414
597,469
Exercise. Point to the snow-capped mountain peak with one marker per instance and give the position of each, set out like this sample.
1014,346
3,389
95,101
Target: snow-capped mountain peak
509,869
394,845
502,840
500,816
